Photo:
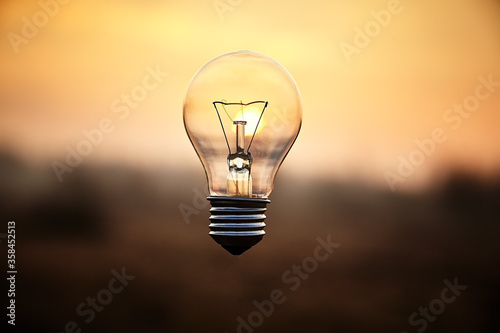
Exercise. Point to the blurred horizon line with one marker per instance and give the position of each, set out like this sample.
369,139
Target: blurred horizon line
12,163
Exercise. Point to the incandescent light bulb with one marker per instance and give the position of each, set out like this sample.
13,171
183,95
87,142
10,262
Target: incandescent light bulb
242,113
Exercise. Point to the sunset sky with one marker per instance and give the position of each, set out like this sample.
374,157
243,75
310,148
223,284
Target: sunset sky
362,109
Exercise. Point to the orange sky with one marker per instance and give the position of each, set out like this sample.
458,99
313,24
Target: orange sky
360,114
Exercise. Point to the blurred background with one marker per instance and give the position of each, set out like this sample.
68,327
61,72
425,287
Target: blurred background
406,219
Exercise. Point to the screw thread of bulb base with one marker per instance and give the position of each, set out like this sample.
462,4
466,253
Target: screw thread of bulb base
237,224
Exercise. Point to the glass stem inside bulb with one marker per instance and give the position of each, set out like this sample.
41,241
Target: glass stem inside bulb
239,180
240,136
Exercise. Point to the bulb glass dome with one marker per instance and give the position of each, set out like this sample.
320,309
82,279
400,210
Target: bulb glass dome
242,113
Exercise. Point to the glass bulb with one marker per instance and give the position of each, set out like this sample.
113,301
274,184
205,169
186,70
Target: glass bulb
242,113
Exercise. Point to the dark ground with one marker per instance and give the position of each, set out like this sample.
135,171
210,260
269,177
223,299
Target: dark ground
396,251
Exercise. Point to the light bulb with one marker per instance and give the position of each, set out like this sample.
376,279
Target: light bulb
242,113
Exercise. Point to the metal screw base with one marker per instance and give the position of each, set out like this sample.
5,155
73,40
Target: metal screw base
237,224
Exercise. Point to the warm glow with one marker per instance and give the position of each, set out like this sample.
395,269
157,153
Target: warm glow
251,115
366,96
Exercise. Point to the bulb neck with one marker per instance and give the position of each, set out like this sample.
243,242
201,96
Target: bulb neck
237,224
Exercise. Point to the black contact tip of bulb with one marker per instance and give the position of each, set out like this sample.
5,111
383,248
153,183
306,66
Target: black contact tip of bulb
237,224
236,250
